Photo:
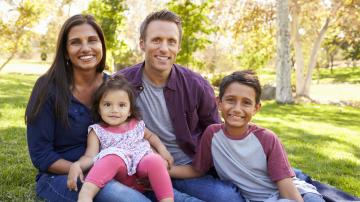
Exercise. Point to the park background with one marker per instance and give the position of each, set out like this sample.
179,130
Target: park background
310,48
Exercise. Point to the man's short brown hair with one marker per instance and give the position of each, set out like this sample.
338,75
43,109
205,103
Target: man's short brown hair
163,15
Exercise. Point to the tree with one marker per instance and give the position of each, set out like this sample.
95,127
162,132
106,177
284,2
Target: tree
350,26
283,70
58,16
196,27
331,45
255,33
14,34
110,15
328,13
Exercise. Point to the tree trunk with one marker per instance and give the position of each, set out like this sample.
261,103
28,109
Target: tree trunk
313,57
7,60
299,57
12,53
283,70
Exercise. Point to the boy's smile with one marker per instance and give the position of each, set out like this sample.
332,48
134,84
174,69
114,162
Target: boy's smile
237,106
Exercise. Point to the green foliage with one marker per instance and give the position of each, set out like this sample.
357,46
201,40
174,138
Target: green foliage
196,27
216,79
258,50
110,15
331,45
349,23
48,41
15,33
256,34
352,49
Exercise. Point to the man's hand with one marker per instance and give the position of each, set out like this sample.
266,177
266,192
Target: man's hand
75,172
165,154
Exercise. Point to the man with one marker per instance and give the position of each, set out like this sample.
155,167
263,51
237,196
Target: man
176,103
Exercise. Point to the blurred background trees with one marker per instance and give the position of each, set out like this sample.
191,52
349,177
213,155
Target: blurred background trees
219,36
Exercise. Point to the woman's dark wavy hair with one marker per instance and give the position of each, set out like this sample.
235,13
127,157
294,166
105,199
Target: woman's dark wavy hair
59,78
116,82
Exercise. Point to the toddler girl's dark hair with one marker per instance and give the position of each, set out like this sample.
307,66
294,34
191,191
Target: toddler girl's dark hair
245,77
116,82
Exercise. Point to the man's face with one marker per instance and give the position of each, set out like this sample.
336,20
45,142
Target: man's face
161,45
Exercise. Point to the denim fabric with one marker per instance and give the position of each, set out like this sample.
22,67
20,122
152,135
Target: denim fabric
209,189
53,188
311,197
178,197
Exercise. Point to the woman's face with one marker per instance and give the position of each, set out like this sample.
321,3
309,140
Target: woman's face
84,47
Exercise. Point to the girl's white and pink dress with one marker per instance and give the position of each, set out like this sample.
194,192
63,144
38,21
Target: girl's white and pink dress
126,141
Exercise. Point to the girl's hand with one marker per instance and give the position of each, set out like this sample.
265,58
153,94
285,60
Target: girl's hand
167,157
75,172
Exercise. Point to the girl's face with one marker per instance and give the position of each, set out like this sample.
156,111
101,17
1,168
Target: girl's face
114,107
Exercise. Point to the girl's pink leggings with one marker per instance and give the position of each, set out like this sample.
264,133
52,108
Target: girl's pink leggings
151,166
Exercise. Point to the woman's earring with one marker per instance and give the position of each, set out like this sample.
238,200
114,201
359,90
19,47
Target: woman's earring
67,62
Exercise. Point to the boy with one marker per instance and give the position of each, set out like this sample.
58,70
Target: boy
249,156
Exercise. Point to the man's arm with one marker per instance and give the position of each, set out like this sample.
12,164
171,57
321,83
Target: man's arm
184,171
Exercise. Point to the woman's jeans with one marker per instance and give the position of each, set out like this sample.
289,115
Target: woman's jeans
53,188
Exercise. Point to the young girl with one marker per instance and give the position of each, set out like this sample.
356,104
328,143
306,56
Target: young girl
123,142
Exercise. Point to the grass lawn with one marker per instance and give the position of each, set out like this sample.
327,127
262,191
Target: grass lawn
322,140
16,171
339,75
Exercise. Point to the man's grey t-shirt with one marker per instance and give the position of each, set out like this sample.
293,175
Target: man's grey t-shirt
155,114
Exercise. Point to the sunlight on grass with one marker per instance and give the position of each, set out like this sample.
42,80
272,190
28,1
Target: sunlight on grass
17,173
321,140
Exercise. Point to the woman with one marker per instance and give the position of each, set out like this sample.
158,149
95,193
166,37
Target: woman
58,113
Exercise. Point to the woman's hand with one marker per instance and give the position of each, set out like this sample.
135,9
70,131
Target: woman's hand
75,172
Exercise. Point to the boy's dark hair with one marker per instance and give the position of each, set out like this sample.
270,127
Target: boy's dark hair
245,77
163,15
116,82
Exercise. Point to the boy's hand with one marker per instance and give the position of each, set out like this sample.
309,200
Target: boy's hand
75,172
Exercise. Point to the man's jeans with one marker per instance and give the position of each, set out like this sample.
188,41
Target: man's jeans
209,189
206,188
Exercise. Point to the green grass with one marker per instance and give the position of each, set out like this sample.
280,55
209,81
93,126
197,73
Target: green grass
16,171
339,75
322,140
